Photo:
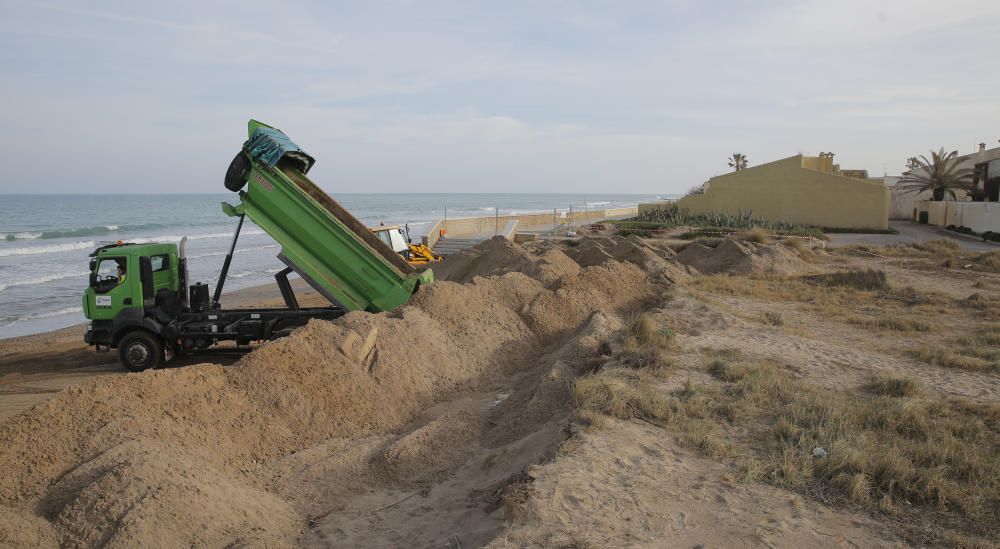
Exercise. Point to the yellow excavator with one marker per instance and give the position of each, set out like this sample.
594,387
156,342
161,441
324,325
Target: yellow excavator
398,239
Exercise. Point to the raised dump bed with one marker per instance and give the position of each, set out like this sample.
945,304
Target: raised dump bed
320,240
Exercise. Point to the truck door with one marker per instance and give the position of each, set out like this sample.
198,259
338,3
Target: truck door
162,274
113,285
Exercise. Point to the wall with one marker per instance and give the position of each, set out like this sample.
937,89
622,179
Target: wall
903,204
978,216
785,191
936,212
470,226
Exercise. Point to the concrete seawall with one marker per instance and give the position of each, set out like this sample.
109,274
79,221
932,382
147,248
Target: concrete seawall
478,226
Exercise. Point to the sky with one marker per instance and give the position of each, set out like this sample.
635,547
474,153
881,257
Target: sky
440,96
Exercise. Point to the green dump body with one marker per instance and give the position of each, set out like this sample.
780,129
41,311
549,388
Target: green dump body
320,240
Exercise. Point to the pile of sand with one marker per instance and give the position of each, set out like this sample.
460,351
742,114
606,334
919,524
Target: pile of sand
499,255
736,257
549,261
180,456
655,258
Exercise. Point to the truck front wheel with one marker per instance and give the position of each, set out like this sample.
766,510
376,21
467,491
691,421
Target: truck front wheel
140,350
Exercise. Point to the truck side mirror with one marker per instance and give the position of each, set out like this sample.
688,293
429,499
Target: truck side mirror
93,279
93,265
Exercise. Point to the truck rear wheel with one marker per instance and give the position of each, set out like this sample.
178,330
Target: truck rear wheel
238,172
140,350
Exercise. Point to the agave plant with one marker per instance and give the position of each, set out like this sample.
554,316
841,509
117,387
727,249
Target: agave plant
675,216
738,161
940,175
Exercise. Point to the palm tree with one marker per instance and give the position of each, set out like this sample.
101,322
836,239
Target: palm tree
912,163
939,175
738,161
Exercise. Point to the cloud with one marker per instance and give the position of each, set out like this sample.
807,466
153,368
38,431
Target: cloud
649,97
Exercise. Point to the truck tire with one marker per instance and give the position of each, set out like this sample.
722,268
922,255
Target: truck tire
285,332
140,350
238,172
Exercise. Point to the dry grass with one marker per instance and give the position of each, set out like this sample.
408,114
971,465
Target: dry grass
988,260
645,345
623,397
944,253
652,360
989,337
891,309
755,235
804,251
936,247
890,323
773,318
868,279
891,452
891,385
932,248
626,395
724,353
963,359
643,331
726,371
795,244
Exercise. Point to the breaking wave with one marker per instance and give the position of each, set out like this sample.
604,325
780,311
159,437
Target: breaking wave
77,232
43,279
53,248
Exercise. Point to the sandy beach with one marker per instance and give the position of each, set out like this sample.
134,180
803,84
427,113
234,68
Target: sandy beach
592,391
34,367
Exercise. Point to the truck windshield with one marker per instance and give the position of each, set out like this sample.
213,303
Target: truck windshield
111,271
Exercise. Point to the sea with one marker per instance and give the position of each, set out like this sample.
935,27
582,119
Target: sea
45,240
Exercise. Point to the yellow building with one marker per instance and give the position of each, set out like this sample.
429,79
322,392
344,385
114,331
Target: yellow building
810,190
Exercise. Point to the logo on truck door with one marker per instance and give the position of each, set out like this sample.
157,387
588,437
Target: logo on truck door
263,182
102,301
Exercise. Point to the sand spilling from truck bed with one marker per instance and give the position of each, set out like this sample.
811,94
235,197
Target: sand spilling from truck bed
183,456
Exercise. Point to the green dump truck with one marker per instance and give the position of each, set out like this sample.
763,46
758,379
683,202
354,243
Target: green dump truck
141,302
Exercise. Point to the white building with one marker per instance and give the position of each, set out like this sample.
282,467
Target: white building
962,211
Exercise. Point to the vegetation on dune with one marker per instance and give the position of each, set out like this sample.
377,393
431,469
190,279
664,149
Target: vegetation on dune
990,260
843,292
774,318
755,235
978,353
890,450
961,359
643,331
890,323
671,215
943,252
703,232
624,397
859,279
926,463
892,385
941,176
929,463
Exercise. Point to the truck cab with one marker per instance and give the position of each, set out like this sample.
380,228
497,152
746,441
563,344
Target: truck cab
134,289
118,275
